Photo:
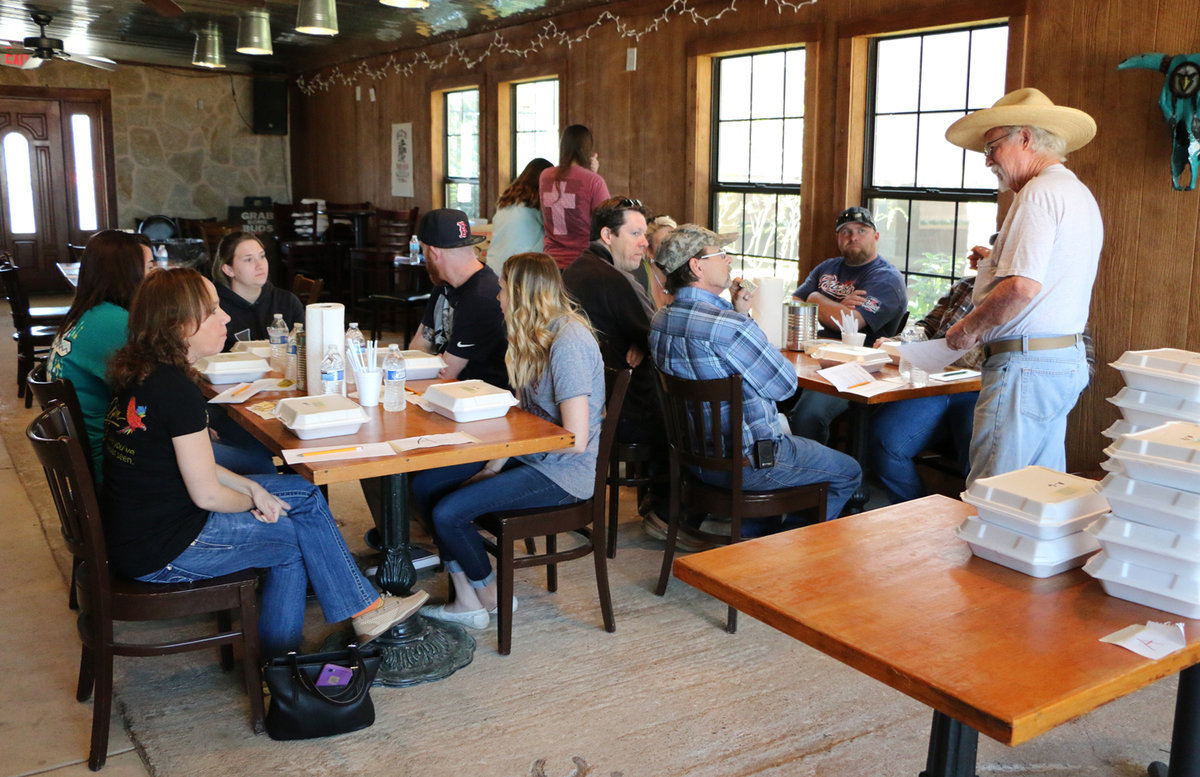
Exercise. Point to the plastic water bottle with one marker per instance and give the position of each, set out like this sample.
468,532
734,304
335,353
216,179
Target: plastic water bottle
333,371
414,251
160,256
277,333
355,344
292,355
393,379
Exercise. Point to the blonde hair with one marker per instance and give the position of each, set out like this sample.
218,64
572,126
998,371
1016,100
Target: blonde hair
536,302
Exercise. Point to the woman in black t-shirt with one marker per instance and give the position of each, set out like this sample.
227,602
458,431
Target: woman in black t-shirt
171,514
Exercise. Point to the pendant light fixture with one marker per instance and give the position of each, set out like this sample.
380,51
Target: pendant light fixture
254,32
317,17
208,51
406,3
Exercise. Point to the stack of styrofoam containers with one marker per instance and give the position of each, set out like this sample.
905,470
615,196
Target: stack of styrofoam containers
1161,385
1151,539
1033,520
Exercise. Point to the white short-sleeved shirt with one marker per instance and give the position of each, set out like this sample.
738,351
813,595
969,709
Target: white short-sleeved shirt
1052,234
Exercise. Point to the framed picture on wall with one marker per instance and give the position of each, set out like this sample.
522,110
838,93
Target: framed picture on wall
402,168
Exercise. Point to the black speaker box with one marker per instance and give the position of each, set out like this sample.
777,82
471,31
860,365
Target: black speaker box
270,107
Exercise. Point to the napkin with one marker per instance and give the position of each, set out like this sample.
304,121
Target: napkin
1154,640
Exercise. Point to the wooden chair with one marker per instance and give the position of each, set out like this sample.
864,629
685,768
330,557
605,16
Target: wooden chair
105,599
47,390
213,231
300,249
34,333
308,290
695,438
394,228
632,464
584,518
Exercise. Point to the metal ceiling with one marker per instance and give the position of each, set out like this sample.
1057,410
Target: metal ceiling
133,31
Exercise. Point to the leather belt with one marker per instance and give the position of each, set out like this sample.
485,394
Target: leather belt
1031,344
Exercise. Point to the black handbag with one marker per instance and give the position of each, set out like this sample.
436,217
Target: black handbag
300,709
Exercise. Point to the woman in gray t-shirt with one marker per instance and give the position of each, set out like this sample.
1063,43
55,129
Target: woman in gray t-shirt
555,367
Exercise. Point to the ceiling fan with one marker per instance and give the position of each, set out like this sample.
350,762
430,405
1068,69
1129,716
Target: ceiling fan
38,48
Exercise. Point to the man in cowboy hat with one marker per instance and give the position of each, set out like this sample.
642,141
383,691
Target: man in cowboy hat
1032,294
701,336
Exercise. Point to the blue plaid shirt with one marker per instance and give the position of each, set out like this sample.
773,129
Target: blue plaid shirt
700,336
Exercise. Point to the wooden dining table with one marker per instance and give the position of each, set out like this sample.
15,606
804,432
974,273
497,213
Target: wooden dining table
896,595
860,406
419,649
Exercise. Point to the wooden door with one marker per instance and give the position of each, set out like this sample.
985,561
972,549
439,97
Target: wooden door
37,237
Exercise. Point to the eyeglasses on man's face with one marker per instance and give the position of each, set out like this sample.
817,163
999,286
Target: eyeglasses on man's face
990,147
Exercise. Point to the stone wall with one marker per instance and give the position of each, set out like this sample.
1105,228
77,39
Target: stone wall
182,139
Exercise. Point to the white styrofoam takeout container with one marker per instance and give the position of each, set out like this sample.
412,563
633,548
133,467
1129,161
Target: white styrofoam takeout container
870,359
1038,558
1168,454
1163,370
1148,546
327,415
260,348
469,400
419,365
1120,427
891,348
1153,505
1155,588
1037,501
1150,408
232,367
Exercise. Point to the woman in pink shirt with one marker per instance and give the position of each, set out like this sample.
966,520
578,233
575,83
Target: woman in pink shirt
568,194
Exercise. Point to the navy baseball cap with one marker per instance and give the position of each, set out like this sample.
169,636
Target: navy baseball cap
855,215
447,228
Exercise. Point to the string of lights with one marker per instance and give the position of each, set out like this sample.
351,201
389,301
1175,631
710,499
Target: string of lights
548,35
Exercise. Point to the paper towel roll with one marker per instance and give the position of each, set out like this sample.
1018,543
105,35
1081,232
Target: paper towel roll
324,324
767,308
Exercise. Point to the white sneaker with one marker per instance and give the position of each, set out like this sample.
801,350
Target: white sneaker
472,619
496,610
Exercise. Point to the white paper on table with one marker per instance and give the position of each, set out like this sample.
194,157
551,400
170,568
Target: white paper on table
337,453
930,355
881,386
1154,640
846,376
432,441
418,400
952,375
240,392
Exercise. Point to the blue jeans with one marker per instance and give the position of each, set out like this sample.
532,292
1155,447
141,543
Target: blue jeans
813,413
901,430
237,450
303,546
452,510
1021,414
800,462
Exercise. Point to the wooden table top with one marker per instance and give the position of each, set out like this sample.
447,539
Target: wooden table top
896,595
515,433
807,378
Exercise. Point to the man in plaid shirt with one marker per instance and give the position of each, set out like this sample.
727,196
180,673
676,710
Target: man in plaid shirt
701,336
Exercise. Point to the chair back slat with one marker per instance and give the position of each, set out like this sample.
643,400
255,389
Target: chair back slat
47,390
616,383
59,449
698,413
394,228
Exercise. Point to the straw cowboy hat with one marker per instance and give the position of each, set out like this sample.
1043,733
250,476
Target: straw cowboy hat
1020,108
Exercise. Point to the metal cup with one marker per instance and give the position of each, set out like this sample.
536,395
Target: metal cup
799,323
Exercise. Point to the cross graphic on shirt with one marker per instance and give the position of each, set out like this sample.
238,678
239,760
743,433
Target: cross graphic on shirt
558,208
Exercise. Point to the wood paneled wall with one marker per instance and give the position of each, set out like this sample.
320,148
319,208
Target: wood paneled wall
645,125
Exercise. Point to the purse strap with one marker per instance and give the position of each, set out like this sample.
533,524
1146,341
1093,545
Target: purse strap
358,682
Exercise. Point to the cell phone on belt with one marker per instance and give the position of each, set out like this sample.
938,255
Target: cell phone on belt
764,454
332,674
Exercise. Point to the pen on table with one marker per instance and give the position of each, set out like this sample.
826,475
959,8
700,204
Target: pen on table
856,385
952,374
243,388
335,450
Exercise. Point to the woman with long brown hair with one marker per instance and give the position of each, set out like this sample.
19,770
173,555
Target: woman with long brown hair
569,193
517,226
554,365
112,266
173,515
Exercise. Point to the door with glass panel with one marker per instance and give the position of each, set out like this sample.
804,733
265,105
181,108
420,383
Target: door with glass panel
52,182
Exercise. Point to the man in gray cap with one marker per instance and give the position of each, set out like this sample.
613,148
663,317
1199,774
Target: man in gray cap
701,336
1033,293
859,283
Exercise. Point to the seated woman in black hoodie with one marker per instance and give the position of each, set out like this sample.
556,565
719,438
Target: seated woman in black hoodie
239,271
